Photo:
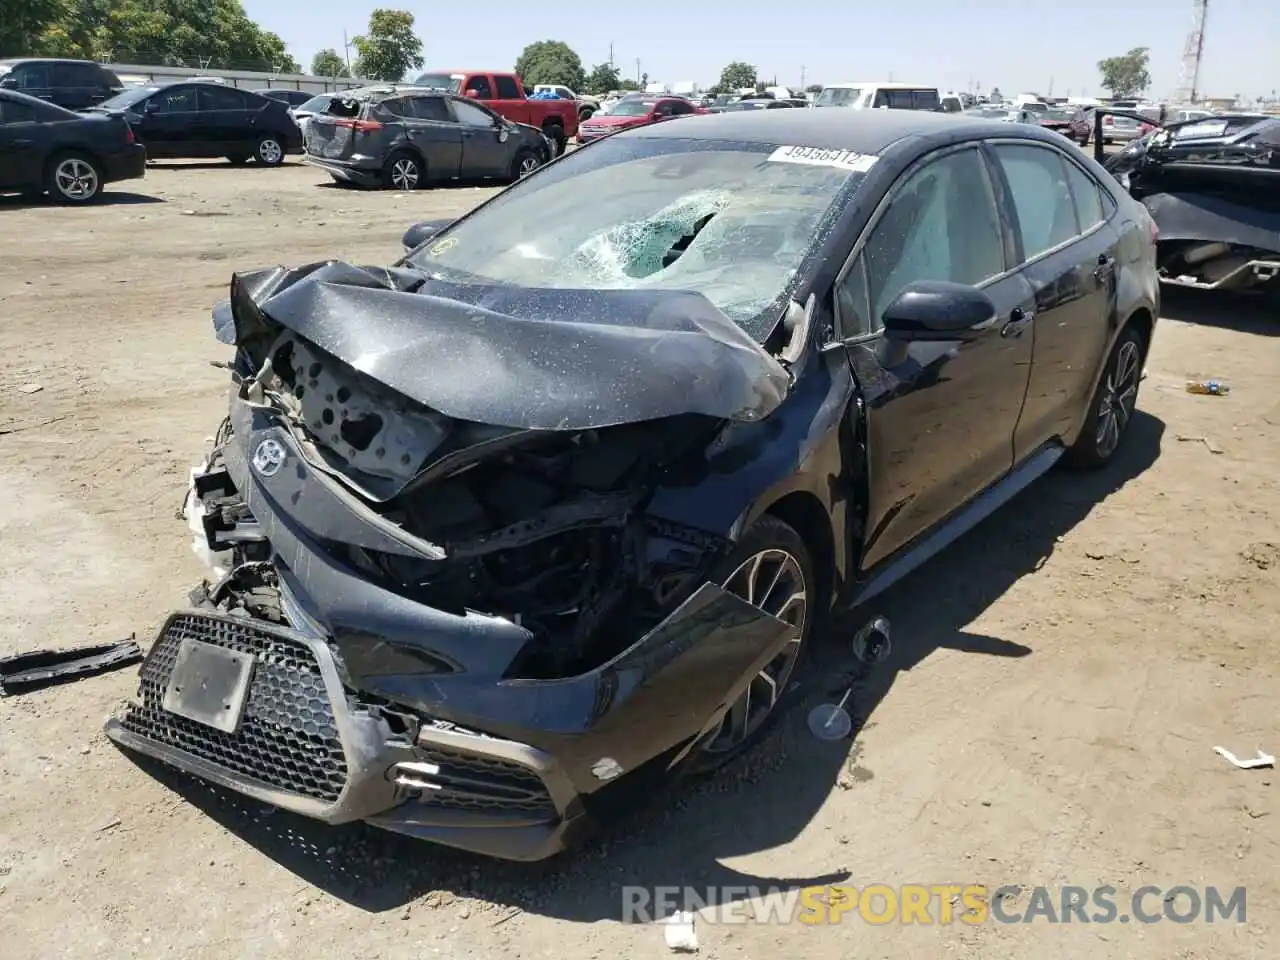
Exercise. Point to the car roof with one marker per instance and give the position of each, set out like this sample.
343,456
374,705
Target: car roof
862,131
14,61
883,84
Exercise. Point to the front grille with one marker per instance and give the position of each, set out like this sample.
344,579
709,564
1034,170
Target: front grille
287,739
471,782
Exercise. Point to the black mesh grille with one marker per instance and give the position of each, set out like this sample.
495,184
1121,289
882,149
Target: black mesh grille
287,738
470,782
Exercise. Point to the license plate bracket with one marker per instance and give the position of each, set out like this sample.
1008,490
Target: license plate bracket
209,685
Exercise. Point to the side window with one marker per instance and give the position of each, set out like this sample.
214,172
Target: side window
479,84
853,304
882,99
432,108
679,108
928,100
1088,199
175,100
901,100
11,112
32,76
1038,180
398,107
472,116
507,89
941,224
213,97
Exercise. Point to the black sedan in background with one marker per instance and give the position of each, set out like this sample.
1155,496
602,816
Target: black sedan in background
555,502
290,98
44,148
404,138
205,119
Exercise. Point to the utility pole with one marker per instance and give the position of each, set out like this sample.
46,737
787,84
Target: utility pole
637,69
611,53
802,76
346,49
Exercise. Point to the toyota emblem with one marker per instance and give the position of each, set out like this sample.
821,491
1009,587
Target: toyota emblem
269,457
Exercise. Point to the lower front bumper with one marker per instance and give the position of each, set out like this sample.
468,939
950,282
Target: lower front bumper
345,171
308,745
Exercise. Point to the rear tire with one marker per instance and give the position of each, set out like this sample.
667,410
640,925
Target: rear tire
269,151
73,178
403,171
774,558
1114,402
555,133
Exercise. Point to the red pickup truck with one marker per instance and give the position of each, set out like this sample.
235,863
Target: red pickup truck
504,93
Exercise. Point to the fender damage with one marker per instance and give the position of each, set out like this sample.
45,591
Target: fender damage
431,499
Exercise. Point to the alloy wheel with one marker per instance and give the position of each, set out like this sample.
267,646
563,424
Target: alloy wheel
772,580
528,165
76,179
270,152
404,174
1119,398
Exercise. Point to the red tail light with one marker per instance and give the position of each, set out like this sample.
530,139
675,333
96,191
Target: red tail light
359,126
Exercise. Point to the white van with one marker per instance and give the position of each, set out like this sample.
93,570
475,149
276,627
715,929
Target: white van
870,95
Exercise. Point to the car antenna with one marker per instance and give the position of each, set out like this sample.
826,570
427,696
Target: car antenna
871,645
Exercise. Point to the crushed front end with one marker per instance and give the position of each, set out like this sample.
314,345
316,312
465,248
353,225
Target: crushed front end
443,607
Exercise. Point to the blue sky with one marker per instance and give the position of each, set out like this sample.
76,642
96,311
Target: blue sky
1024,45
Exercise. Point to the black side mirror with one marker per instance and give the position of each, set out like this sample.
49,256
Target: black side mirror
421,232
933,310
9,83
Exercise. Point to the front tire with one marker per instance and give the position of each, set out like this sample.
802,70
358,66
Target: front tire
1113,404
269,151
771,568
74,178
403,171
525,163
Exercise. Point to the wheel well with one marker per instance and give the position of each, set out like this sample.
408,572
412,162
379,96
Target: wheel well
65,151
804,513
1142,321
550,123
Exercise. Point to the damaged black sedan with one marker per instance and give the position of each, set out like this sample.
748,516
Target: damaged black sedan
559,498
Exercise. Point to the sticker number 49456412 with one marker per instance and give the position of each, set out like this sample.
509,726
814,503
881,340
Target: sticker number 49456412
820,157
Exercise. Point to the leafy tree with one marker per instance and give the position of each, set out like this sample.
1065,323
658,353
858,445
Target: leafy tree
628,85
551,61
23,22
197,33
736,76
1126,76
327,63
603,78
390,48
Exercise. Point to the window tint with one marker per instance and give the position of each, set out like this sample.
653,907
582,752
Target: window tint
11,112
941,225
175,100
432,108
480,84
213,97
1046,212
32,75
75,75
1085,192
471,115
507,89
928,100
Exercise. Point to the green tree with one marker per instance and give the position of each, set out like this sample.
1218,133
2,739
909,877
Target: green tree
24,22
551,61
736,76
327,63
390,48
197,33
603,78
1126,76
628,85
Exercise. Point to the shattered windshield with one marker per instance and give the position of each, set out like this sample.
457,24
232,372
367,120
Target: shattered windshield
839,97
440,81
316,104
732,221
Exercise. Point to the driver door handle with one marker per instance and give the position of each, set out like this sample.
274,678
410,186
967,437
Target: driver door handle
1018,320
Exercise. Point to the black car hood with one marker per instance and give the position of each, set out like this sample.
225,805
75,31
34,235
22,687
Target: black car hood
512,356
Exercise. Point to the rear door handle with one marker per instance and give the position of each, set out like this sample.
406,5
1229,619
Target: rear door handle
1018,320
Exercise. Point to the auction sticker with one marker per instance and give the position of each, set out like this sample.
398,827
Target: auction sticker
849,160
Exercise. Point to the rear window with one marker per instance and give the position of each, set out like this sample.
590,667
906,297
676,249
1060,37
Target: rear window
925,99
507,89
440,81
344,107
839,97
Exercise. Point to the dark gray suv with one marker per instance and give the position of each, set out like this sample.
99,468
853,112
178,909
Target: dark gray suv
73,84
404,138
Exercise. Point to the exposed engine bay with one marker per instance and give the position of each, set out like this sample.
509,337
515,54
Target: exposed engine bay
545,528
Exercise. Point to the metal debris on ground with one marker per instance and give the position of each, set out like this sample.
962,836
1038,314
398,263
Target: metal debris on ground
1261,761
871,645
28,671
678,932
1209,444
1208,388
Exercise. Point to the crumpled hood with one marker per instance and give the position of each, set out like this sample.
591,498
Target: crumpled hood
516,357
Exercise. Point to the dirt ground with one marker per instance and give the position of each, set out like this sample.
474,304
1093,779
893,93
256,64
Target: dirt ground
1060,676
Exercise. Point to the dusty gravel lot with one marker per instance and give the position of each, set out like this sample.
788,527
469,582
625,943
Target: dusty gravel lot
1059,680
